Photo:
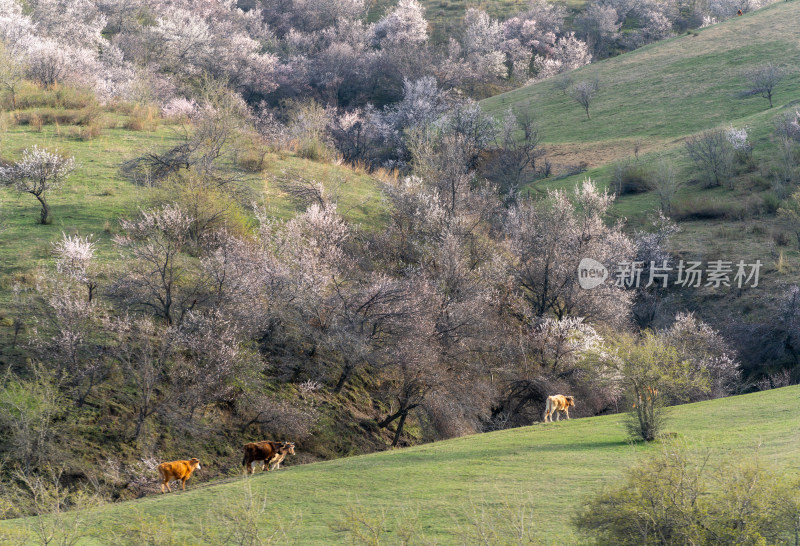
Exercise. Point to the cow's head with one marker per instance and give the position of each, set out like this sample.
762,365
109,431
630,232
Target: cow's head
195,462
570,400
288,446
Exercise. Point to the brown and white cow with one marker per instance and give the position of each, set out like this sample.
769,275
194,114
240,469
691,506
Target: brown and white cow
177,470
270,453
557,404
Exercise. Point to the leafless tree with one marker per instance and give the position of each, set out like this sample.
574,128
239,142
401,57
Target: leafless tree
12,73
145,351
69,335
713,154
666,183
516,151
476,129
159,277
411,371
584,93
212,357
365,317
30,411
763,80
204,142
442,161
303,191
563,83
279,417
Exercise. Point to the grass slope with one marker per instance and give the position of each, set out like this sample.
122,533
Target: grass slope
443,484
654,98
96,195
668,90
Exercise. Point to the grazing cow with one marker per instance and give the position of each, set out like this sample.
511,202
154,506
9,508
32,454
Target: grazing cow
271,453
177,470
557,404
739,13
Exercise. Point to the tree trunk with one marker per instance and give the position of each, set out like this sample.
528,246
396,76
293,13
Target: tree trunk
82,397
139,423
402,413
399,430
45,214
346,371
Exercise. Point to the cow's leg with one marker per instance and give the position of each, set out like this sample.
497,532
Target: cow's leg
162,488
558,415
183,484
567,412
169,489
252,466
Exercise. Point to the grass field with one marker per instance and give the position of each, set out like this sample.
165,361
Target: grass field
670,89
443,486
653,99
96,195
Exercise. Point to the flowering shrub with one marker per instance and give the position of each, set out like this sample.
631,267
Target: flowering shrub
178,108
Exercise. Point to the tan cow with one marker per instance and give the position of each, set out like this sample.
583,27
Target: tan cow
557,404
177,470
286,449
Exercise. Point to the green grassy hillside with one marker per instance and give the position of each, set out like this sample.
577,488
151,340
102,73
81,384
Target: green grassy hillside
651,100
97,195
547,469
668,90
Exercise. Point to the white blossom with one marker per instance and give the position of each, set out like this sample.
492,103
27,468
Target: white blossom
74,255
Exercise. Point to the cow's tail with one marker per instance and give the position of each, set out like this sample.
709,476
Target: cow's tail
546,409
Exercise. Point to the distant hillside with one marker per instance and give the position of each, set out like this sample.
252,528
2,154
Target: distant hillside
668,90
543,470
98,195
650,101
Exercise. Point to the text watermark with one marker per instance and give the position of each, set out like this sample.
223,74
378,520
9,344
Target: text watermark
690,274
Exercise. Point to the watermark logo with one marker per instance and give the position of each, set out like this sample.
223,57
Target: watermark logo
713,274
591,273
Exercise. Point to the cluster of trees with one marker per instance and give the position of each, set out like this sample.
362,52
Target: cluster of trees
156,51
615,26
462,312
289,50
